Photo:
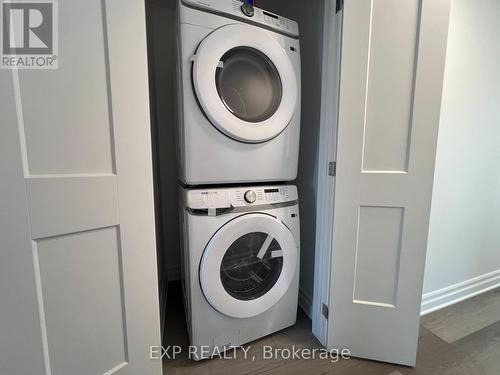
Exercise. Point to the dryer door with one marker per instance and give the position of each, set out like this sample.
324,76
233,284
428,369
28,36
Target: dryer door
248,265
245,83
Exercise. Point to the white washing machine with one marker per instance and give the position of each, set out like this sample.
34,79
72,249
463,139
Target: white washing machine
240,264
239,93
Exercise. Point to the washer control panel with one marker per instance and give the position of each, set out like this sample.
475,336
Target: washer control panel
247,13
240,197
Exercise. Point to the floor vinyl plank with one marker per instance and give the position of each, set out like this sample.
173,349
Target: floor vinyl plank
483,349
436,357
460,320
474,351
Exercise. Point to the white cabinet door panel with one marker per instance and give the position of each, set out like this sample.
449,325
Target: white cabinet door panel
393,55
78,276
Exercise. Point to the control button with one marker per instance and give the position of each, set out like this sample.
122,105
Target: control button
250,196
247,9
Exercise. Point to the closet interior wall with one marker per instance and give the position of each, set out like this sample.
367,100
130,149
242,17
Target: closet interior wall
310,17
160,20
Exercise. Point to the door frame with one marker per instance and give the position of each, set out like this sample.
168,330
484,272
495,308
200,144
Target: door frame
327,153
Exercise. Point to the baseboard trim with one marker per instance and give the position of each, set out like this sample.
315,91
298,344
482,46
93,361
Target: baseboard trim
305,302
452,294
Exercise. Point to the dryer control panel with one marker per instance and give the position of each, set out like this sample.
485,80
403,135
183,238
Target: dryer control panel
240,197
247,13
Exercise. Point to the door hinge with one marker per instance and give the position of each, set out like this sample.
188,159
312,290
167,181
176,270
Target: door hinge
324,310
332,168
339,5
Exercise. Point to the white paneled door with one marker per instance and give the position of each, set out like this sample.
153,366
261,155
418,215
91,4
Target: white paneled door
78,281
393,55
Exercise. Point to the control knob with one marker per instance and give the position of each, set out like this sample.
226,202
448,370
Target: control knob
250,196
247,9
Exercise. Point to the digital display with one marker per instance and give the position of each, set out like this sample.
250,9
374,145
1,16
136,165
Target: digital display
271,191
271,15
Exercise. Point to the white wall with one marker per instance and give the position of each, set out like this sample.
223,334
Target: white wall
464,237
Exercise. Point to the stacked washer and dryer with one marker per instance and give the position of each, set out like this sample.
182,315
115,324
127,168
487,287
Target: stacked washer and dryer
238,140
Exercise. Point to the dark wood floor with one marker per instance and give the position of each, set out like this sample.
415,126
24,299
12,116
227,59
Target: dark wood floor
459,321
476,353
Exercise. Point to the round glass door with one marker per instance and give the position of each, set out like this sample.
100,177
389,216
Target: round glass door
248,265
251,266
249,84
245,83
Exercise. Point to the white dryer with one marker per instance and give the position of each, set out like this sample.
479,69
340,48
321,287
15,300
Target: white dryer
240,264
238,92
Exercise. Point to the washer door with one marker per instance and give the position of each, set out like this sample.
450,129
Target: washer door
245,83
248,265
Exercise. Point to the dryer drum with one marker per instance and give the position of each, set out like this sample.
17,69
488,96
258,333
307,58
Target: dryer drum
249,84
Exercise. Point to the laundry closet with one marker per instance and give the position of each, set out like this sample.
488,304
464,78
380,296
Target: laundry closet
266,161
217,154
